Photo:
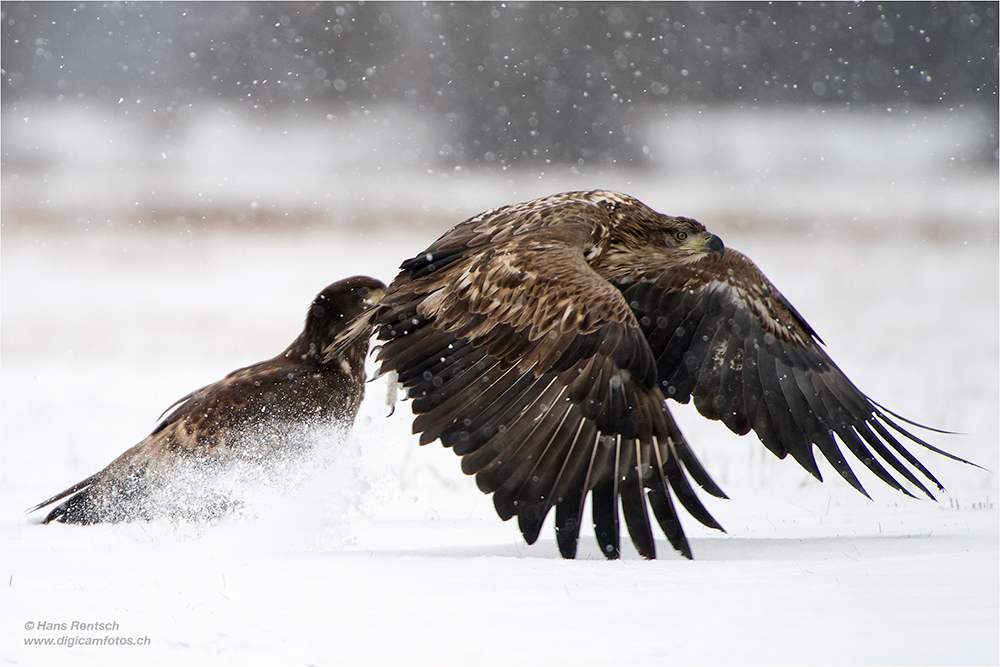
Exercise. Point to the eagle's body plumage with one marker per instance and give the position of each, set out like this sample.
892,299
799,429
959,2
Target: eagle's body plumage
540,341
251,415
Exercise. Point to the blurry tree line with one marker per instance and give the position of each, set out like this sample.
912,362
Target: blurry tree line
536,81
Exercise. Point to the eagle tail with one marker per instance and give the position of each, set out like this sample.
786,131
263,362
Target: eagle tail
79,509
69,511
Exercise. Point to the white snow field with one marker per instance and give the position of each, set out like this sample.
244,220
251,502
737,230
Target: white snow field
388,555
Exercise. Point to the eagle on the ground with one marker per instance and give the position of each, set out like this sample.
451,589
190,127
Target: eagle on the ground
251,415
540,340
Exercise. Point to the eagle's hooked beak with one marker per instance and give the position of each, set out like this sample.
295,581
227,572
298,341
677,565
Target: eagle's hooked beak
707,243
715,244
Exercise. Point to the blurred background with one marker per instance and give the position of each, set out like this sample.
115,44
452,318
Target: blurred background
249,115
180,179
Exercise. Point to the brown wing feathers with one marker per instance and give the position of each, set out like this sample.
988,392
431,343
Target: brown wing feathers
531,367
539,340
725,337
533,440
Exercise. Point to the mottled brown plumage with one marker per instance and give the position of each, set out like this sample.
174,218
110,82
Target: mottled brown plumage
540,341
250,416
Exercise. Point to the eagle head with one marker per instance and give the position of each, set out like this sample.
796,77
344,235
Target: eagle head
339,304
637,235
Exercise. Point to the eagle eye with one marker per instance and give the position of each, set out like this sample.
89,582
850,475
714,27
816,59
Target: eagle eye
681,236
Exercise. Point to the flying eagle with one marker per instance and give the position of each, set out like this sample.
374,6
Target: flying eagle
251,415
540,341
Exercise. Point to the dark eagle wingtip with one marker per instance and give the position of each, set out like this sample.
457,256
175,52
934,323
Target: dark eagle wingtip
78,509
911,422
57,514
78,488
879,413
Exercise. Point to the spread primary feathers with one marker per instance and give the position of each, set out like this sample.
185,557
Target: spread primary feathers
251,415
540,341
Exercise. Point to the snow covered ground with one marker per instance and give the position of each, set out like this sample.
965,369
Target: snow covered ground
389,555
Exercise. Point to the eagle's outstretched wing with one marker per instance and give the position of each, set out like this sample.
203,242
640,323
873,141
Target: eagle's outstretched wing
540,340
533,368
724,336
